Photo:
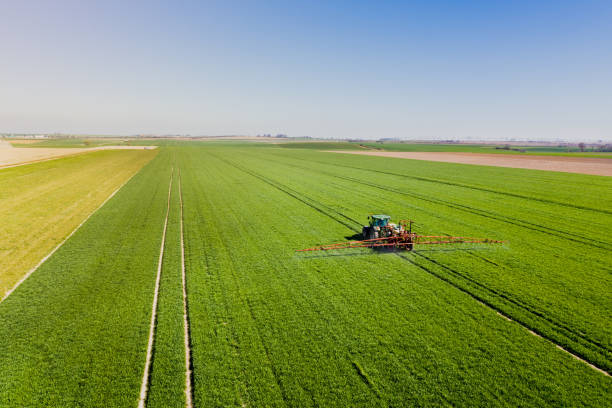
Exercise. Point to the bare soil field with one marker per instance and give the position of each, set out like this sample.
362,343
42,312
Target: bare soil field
23,141
582,165
14,156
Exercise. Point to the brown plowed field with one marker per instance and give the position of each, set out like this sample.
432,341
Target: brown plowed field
582,165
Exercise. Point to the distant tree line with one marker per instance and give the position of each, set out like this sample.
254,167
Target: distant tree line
596,147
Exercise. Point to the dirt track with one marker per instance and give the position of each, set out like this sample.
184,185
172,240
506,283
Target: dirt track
582,165
144,386
14,156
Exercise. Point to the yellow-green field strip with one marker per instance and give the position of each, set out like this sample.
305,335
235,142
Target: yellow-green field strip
43,203
46,159
145,376
42,261
188,390
64,154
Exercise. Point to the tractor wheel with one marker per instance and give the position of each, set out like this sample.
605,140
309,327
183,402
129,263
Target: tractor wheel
369,233
410,245
365,232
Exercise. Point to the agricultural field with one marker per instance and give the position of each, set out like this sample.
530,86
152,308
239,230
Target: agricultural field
40,204
487,148
186,285
72,143
447,147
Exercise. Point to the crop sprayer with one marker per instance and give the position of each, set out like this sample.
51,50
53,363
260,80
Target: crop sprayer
380,233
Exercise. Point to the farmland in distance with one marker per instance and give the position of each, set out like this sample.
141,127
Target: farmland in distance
390,146
272,327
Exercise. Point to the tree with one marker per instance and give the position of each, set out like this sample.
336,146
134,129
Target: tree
581,146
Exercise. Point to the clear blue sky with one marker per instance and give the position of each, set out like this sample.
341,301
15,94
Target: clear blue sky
431,69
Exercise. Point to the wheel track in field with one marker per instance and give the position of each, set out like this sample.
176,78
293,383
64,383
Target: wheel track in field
529,310
144,386
559,327
316,205
568,236
487,303
565,330
187,331
468,186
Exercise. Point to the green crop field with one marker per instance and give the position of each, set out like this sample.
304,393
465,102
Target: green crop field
524,323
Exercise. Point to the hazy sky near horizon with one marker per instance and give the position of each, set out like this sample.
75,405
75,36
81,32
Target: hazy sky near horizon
363,69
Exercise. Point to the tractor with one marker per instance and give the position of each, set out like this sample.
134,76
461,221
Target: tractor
382,234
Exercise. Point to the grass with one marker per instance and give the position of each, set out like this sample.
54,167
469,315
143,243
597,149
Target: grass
40,204
271,327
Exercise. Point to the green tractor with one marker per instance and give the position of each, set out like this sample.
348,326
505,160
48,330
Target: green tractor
377,228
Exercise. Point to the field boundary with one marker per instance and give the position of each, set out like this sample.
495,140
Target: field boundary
144,386
187,338
42,261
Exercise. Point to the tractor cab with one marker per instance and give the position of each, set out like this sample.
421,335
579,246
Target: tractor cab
379,220
377,228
